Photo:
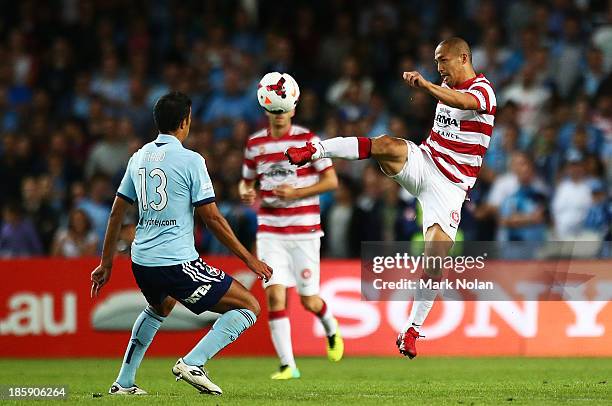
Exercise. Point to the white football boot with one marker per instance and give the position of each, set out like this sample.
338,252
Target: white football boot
117,389
196,377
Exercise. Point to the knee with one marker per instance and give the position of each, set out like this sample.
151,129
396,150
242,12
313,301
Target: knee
165,308
253,305
387,146
275,302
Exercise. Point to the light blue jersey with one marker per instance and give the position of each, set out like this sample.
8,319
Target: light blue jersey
168,181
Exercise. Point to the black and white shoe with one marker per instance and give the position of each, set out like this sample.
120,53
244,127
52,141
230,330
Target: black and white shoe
117,389
195,376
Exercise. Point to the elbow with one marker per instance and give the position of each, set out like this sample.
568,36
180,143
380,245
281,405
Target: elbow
464,104
115,214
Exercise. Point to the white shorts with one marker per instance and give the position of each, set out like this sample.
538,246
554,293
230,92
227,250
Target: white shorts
293,262
440,198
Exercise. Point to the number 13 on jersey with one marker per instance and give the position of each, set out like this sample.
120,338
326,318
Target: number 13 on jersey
160,189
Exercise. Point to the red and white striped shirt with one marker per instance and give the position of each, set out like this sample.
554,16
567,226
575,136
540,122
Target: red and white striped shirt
264,160
459,138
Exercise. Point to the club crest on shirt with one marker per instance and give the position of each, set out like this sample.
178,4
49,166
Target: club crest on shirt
454,215
306,273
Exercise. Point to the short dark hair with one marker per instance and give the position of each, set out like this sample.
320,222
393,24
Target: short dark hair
458,45
170,110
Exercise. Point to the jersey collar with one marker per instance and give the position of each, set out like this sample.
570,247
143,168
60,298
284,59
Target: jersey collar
285,136
167,139
468,83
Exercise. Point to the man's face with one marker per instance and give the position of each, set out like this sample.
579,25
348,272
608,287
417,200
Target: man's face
280,120
450,64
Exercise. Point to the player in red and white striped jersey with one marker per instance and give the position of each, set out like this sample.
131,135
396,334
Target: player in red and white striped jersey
289,230
440,171
459,138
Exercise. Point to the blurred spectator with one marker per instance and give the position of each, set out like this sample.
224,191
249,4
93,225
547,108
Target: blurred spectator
531,98
170,76
572,199
490,56
351,80
110,155
59,72
96,207
598,220
499,153
78,239
568,53
43,215
138,112
507,184
594,72
336,47
340,222
522,214
12,167
369,206
110,83
546,153
580,122
602,37
18,237
230,106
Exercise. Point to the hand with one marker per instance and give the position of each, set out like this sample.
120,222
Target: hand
99,277
247,193
415,79
260,268
286,192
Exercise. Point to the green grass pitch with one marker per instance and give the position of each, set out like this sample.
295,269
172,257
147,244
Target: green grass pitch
354,381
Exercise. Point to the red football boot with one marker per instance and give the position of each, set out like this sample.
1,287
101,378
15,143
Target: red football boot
300,155
406,342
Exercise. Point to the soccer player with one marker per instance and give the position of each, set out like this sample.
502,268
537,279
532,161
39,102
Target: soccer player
440,171
168,182
289,231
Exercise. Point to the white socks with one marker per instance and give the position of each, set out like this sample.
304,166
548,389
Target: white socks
351,148
327,319
423,302
280,329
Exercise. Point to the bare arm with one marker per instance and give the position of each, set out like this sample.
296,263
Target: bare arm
327,181
101,275
219,226
450,97
246,190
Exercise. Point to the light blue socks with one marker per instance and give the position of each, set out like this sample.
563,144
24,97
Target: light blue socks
226,329
144,330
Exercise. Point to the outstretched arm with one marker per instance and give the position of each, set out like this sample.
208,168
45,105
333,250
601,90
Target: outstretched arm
450,97
101,275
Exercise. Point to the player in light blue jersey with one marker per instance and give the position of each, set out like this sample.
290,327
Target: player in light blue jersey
168,182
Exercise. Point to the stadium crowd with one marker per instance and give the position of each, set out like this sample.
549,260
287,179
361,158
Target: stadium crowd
79,80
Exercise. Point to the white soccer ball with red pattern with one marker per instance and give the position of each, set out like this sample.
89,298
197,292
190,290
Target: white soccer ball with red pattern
278,92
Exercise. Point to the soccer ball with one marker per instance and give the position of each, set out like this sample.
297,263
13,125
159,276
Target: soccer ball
278,92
